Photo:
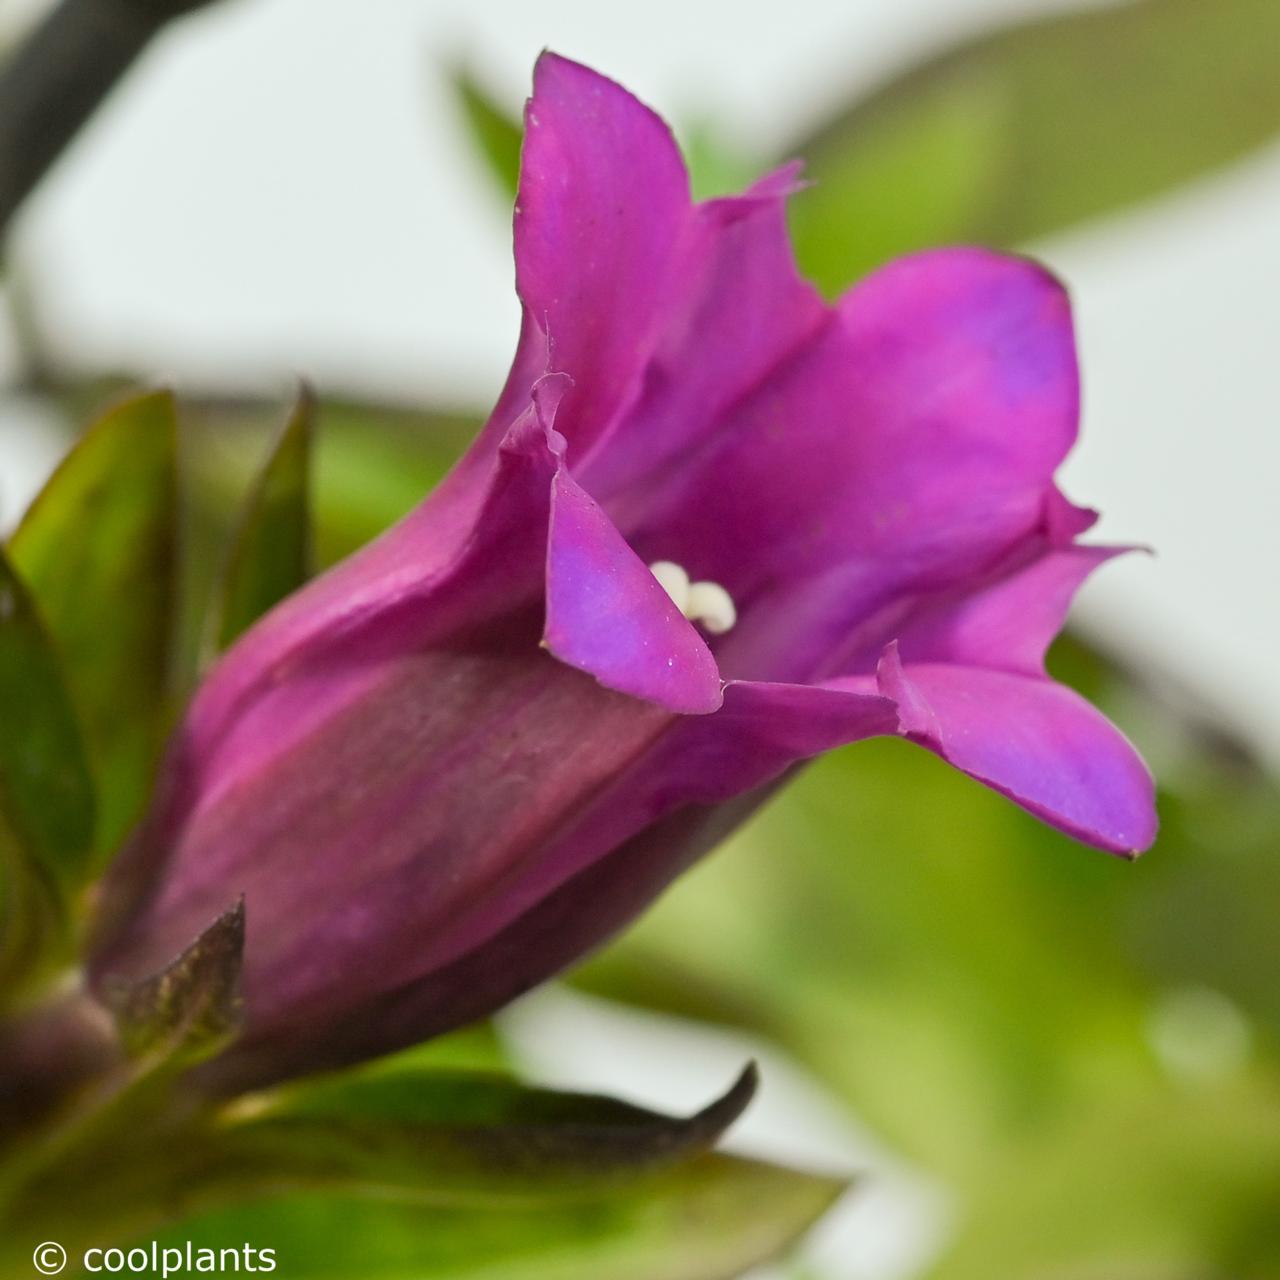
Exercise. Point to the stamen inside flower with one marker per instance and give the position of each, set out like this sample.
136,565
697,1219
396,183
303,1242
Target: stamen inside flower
707,603
711,605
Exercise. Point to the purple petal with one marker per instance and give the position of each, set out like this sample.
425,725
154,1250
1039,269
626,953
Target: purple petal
909,444
1007,622
681,797
1064,522
603,221
763,729
759,733
744,312
607,614
1033,740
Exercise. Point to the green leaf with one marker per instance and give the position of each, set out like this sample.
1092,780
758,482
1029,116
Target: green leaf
46,794
270,554
1011,136
45,788
453,1138
710,1219
372,464
493,130
191,1007
97,550
494,1173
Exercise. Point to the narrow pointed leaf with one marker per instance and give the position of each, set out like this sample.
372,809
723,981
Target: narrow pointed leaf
452,1138
45,789
271,550
46,796
371,465
709,1219
497,135
97,548
191,1007
1037,127
460,1149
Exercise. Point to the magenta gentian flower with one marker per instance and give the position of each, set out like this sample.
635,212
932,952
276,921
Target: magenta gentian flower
714,526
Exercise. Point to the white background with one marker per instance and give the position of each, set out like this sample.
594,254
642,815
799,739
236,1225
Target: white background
283,186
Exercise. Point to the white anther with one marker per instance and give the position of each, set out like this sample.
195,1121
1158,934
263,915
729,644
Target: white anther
705,602
674,581
710,604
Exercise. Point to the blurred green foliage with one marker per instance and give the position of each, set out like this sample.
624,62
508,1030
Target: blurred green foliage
1032,129
709,1220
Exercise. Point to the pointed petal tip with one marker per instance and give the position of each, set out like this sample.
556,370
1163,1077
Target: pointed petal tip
548,62
783,181
1064,521
1128,842
555,75
1034,742
773,189
686,688
551,63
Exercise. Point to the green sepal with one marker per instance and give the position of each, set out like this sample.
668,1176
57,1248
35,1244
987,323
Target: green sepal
192,1007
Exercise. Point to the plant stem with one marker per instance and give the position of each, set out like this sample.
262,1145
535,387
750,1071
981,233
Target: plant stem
59,75
47,1055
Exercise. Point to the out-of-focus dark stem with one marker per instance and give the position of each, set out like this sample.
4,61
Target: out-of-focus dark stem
53,82
47,1055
